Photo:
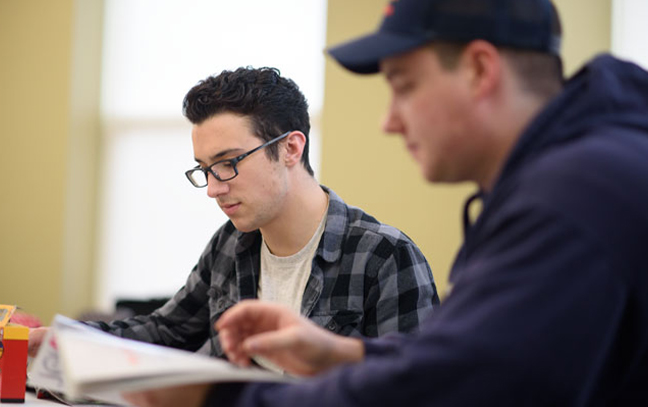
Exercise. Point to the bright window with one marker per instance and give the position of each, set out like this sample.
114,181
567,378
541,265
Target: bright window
154,225
629,30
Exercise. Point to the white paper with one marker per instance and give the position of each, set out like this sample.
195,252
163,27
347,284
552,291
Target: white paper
81,361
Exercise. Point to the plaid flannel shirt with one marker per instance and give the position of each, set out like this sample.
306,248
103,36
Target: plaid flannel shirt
367,279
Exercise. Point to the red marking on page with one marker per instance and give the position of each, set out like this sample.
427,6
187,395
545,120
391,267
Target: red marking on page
131,357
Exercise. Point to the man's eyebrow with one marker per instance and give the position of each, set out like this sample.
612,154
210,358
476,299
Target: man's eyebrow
213,158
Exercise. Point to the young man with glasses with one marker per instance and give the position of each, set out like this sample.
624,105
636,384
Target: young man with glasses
549,305
288,240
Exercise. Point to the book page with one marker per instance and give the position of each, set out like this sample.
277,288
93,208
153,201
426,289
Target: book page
82,361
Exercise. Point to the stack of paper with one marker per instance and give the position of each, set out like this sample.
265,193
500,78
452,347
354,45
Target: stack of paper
81,361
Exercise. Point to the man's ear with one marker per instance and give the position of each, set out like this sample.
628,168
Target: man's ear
483,64
294,148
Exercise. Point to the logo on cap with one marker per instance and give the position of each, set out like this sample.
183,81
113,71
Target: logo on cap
389,9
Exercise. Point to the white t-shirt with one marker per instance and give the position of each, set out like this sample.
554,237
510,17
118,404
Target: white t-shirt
283,279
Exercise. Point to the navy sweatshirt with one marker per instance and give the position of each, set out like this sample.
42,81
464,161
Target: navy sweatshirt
549,300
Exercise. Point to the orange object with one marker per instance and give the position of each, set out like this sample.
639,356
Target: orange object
6,311
13,363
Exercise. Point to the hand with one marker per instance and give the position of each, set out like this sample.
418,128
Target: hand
255,328
187,396
36,336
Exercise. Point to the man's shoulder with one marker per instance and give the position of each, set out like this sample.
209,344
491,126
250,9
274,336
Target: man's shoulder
352,220
595,184
371,247
361,222
606,163
363,227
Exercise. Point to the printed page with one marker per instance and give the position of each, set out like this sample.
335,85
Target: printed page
82,361
45,370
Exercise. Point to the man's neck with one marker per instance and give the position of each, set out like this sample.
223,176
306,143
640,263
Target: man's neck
305,206
512,124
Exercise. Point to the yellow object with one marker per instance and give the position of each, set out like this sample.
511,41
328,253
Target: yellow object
6,311
16,332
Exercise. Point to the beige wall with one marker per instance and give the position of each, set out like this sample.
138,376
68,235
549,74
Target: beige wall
587,27
373,171
35,51
49,81
49,70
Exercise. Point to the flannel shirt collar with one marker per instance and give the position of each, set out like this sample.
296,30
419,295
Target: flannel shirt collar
337,223
330,247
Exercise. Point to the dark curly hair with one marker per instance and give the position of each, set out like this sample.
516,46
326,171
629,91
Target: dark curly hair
274,104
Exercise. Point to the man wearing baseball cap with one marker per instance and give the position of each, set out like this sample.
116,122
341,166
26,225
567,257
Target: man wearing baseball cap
549,304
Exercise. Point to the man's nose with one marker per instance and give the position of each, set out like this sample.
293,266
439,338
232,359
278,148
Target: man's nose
392,122
216,188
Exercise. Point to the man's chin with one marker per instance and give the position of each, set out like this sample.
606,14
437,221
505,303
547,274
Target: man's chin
243,227
433,176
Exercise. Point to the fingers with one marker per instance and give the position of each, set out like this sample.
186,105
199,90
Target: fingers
257,328
232,345
140,399
245,320
283,348
188,396
266,344
249,314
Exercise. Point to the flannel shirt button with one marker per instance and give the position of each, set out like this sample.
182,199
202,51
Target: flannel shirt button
220,303
331,326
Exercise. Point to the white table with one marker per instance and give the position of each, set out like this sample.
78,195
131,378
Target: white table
31,400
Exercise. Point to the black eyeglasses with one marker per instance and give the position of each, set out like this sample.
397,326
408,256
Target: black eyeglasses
224,170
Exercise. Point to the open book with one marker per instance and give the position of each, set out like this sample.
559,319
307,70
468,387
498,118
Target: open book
80,361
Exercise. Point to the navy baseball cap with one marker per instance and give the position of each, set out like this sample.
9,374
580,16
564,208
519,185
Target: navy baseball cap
409,24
